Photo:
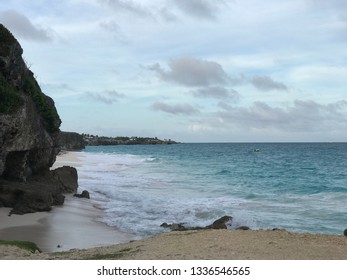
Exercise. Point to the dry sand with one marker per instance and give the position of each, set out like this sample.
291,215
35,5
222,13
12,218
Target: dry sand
75,225
209,244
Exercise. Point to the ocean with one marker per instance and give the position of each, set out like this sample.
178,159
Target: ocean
300,187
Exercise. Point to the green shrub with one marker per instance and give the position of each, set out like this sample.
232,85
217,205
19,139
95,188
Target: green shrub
27,245
46,110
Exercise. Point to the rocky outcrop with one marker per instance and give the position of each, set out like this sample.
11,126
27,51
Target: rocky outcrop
29,130
84,194
29,122
71,141
39,193
221,223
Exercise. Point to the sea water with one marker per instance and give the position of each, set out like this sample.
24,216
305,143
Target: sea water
301,187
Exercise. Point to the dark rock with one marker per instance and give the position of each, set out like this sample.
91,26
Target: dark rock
165,225
218,224
29,137
29,122
345,232
243,228
71,141
221,223
59,199
67,178
39,193
84,194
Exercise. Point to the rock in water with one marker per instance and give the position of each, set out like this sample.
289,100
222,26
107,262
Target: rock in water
345,232
84,194
221,223
29,129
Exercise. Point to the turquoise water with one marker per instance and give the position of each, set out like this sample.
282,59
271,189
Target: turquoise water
300,187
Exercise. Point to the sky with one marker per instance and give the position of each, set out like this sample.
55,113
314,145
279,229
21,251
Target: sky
190,70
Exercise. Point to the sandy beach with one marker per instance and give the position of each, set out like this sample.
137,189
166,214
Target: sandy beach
73,232
208,245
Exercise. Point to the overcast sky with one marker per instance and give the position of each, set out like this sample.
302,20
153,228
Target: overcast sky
190,70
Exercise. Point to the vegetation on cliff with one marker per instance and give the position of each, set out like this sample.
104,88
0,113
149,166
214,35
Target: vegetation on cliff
16,79
7,39
43,104
10,101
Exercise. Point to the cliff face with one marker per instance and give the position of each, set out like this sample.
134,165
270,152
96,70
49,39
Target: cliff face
29,122
71,141
29,135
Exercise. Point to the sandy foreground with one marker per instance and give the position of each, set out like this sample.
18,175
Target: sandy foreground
72,231
208,244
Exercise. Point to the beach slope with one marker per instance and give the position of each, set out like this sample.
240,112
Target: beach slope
208,244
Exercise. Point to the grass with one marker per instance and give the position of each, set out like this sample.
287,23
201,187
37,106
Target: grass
27,245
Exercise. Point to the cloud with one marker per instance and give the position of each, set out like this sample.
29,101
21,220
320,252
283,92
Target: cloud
301,116
167,15
204,9
115,30
216,92
21,26
108,96
189,71
265,83
127,6
177,109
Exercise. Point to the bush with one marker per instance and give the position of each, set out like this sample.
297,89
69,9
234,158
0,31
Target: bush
27,245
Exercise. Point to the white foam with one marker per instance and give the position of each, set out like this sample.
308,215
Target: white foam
138,193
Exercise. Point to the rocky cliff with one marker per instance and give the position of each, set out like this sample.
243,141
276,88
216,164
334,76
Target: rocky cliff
71,141
29,130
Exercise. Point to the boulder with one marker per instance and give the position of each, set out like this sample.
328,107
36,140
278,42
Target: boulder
84,194
39,193
66,177
221,223
243,228
218,224
345,232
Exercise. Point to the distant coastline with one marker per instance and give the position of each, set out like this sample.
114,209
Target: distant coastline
95,140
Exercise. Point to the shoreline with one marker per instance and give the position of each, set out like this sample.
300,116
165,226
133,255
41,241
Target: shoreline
72,231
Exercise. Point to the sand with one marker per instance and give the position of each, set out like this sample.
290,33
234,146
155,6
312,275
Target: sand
72,231
209,245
